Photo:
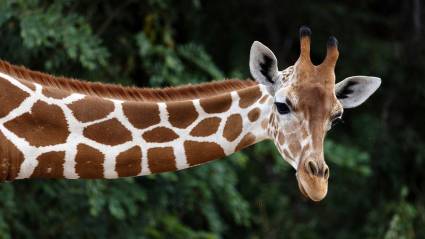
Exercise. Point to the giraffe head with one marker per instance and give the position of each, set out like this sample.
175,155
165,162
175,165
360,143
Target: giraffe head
305,103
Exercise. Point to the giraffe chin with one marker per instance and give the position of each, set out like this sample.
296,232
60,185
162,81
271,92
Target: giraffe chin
317,192
302,190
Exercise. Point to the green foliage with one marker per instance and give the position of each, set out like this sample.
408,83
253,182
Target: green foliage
49,28
167,65
347,157
377,157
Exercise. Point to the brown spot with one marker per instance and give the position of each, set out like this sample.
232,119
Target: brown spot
50,165
11,159
271,119
270,131
264,123
44,125
233,127
281,138
110,132
181,114
206,127
89,162
161,160
249,96
304,133
91,108
254,114
275,132
201,152
287,154
10,97
141,115
129,162
55,93
295,148
292,137
216,104
263,99
246,141
160,135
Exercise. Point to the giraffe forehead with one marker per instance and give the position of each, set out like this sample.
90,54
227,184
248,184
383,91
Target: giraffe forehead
312,99
301,81
301,76
309,72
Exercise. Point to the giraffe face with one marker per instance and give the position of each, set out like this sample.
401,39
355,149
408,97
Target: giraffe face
304,110
306,102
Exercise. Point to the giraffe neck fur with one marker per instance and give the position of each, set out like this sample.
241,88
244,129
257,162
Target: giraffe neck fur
71,135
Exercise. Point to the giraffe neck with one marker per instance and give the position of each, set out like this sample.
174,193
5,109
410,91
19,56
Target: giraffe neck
51,133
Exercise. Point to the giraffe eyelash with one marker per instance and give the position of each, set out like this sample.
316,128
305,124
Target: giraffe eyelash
336,119
282,108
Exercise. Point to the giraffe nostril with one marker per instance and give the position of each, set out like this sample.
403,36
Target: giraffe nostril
326,172
312,167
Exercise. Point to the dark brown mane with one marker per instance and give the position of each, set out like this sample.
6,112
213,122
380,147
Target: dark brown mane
125,93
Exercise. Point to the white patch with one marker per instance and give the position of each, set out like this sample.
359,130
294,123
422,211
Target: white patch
181,161
109,164
145,163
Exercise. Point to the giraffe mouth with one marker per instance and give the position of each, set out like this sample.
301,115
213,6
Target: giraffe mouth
312,195
302,190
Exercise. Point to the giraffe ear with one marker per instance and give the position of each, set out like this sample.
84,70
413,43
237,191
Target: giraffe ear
355,90
263,64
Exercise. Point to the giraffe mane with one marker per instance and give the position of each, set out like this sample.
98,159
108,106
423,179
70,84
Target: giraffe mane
116,91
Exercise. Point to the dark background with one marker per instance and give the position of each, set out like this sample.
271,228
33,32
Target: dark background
377,157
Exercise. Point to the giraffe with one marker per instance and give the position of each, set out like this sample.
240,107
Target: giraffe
55,127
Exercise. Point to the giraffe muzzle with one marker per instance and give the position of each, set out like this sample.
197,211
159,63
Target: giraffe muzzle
313,179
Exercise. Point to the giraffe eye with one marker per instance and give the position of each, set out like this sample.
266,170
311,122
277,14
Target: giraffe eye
282,108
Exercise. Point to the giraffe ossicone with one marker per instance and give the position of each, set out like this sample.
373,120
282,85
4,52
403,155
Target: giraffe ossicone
53,127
